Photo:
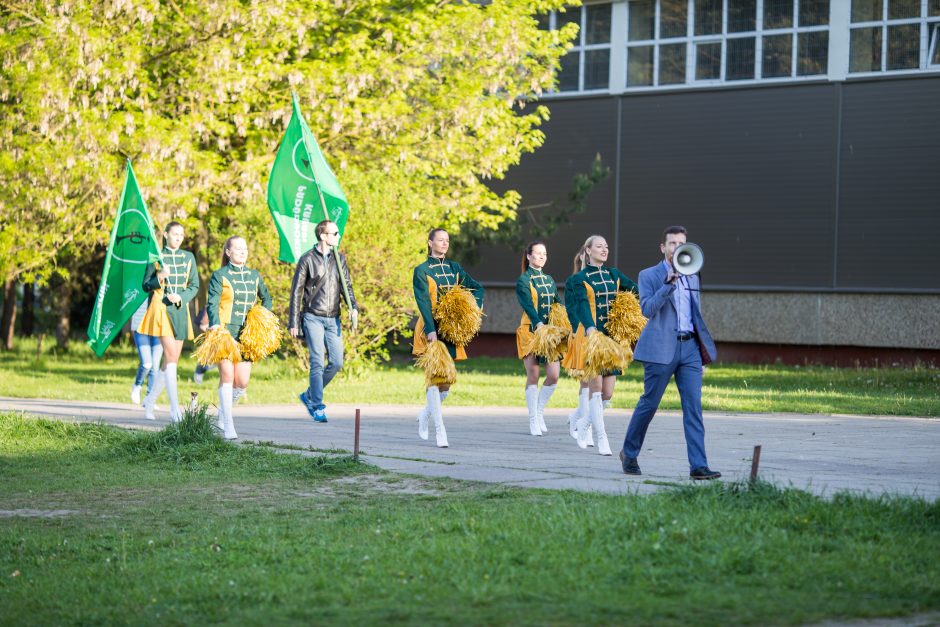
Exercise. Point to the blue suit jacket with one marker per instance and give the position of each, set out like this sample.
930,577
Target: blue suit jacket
657,343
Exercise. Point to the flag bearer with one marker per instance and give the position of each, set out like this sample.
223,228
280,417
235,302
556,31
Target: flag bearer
171,287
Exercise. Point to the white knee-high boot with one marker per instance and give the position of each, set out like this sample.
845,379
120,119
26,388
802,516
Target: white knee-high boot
225,411
423,422
581,410
596,409
531,403
423,416
151,399
434,409
544,395
170,382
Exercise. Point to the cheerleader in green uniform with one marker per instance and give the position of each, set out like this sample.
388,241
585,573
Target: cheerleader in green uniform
233,289
171,286
593,291
536,291
575,347
431,279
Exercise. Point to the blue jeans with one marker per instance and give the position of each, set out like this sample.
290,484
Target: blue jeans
325,343
150,350
687,367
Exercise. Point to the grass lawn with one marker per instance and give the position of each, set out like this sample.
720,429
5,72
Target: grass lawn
483,381
103,526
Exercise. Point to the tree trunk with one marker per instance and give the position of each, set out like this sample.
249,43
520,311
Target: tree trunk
27,318
8,320
63,328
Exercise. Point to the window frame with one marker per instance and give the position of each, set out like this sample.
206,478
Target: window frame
928,26
693,41
581,48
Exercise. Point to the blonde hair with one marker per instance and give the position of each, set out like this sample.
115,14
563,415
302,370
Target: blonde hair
581,259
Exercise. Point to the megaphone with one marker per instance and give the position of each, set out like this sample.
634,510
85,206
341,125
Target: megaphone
688,258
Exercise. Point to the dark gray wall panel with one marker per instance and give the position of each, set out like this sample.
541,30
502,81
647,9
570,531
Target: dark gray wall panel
889,214
821,186
748,172
577,131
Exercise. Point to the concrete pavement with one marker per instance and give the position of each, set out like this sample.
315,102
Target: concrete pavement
822,454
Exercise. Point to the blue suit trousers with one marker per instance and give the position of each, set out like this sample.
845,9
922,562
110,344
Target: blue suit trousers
686,365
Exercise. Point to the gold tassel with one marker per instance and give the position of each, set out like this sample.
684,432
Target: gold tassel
261,334
457,316
548,341
602,354
626,320
215,345
558,317
439,368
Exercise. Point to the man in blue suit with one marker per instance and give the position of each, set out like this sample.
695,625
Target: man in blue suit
674,342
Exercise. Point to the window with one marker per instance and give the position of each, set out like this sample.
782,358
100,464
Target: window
587,66
893,35
676,42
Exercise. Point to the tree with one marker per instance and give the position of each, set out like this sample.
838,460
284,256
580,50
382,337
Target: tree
417,103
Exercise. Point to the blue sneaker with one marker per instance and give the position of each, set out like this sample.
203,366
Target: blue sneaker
319,416
306,401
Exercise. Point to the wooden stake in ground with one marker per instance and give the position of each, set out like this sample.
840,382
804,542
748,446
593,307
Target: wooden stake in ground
356,444
755,462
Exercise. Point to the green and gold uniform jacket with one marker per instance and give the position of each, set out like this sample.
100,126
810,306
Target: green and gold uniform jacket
536,291
183,280
232,291
431,280
593,291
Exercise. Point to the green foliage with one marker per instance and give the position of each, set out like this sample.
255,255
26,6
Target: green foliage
415,103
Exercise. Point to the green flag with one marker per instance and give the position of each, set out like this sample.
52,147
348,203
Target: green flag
131,248
302,190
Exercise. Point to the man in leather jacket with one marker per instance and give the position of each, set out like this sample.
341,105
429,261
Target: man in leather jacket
314,312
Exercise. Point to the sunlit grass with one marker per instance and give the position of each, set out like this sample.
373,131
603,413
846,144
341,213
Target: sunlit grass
79,375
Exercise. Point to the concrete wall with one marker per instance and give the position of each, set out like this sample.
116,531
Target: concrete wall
809,319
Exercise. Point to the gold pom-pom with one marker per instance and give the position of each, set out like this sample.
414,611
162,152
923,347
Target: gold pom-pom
558,317
602,354
575,373
439,368
457,316
215,345
548,341
626,320
261,334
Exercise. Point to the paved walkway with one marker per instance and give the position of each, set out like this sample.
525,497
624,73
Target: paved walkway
823,454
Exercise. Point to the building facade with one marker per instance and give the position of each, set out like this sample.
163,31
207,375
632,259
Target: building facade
797,140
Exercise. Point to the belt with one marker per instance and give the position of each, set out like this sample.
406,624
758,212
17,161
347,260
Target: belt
686,336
